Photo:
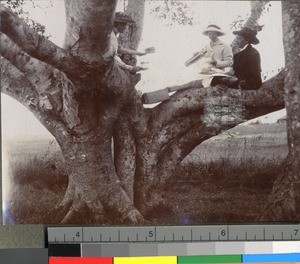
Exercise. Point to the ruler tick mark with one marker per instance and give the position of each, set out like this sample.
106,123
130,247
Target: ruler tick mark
227,232
172,235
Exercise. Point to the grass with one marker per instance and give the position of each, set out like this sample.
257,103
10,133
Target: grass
37,183
221,191
198,193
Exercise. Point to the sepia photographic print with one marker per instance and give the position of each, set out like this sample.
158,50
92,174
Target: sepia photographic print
140,112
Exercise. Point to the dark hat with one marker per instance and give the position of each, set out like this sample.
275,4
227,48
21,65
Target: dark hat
123,18
248,34
213,28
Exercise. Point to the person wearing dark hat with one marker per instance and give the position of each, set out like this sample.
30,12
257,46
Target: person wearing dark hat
246,63
120,23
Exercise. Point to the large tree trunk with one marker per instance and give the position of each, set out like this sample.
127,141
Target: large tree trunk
284,201
101,109
93,182
176,127
92,91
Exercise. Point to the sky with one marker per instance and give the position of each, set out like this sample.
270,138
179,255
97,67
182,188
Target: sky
173,44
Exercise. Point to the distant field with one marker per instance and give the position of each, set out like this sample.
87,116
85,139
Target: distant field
253,142
227,179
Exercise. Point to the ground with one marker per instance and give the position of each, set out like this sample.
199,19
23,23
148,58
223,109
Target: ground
215,190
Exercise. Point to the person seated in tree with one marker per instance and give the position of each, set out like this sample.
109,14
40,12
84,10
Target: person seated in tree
120,23
207,63
216,55
246,63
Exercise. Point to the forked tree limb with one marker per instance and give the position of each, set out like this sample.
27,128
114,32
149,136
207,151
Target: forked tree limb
37,72
257,8
16,85
36,45
178,149
124,154
89,23
185,101
175,129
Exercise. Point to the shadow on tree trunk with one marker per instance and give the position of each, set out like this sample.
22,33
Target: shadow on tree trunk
282,202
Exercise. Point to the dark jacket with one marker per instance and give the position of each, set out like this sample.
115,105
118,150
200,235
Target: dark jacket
246,66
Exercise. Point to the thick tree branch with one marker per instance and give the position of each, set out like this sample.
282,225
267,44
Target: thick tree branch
255,101
257,8
89,24
124,154
178,149
49,83
291,38
35,44
174,129
284,201
37,72
136,10
16,85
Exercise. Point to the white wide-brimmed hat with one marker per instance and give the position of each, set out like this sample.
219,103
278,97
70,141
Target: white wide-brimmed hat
213,28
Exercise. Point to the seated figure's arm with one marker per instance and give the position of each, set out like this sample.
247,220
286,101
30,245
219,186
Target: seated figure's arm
227,58
123,50
122,64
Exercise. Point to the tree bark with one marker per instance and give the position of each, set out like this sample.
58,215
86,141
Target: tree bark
100,106
257,8
135,9
131,36
165,145
93,182
93,94
284,201
291,33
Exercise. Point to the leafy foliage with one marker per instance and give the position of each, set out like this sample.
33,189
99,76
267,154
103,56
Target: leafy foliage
17,6
177,11
238,23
